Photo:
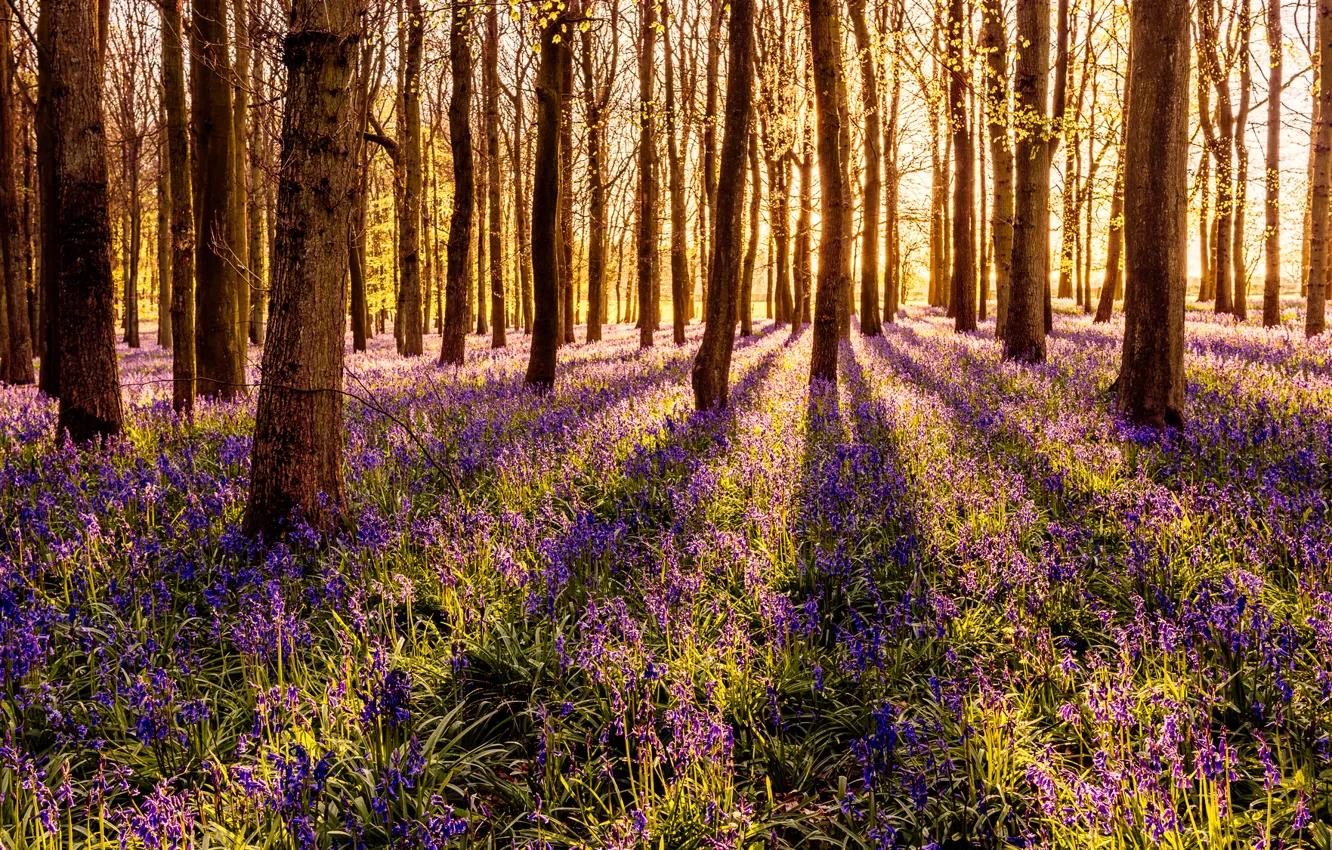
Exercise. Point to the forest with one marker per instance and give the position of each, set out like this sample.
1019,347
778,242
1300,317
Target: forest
665,424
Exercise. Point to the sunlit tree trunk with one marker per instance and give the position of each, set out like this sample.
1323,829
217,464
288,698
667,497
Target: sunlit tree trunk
1221,144
964,259
751,246
647,172
164,336
1105,305
994,41
680,284
239,235
870,324
1272,181
1024,331
296,461
892,244
1151,378
491,66
182,209
826,58
16,353
712,365
1315,321
453,345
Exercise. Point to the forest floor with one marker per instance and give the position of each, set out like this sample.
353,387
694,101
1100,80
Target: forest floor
951,602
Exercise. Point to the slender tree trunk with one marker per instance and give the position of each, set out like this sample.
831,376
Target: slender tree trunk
482,226
16,355
825,44
1315,321
710,139
994,41
751,247
779,213
712,365
182,210
164,336
596,189
1272,232
1115,240
256,208
497,312
1024,327
568,309
1240,295
964,258
892,247
1220,143
647,175
453,345
680,283
76,236
870,323
217,341
804,265
1151,378
296,462
239,235
546,254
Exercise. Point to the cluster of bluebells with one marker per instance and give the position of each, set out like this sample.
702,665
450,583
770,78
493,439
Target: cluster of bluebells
947,600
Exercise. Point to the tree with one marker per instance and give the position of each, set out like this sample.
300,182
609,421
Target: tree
453,347
76,225
1315,321
1024,326
1220,143
596,99
994,41
647,170
870,324
491,82
712,365
217,340
826,59
296,461
680,284
1272,181
1151,377
964,259
15,332
546,255
409,222
182,209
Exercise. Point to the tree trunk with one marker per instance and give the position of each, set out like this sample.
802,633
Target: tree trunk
16,354
1315,321
711,370
647,175
132,243
217,342
182,210
746,302
779,215
491,81
568,309
710,140
596,189
1115,239
1272,233
1220,143
239,235
892,247
521,210
256,208
964,258
680,284
546,253
870,323
76,233
804,259
1151,378
994,41
1240,295
453,345
1024,328
296,462
164,336
825,45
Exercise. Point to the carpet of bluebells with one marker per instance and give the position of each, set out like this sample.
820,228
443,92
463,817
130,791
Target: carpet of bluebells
950,602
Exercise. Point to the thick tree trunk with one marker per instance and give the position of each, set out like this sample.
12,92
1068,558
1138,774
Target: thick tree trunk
964,259
217,341
16,353
76,233
870,323
1272,200
546,253
1151,378
453,345
296,462
825,46
1315,321
1024,327
711,370
182,209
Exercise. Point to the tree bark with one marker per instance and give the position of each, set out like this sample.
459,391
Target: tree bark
546,253
746,295
296,462
239,236
16,353
1272,201
870,323
453,345
1024,328
164,336
825,44
568,309
1315,321
964,258
1220,143
1151,379
680,283
1105,305
1240,289
712,365
647,174
182,209
217,343
497,312
76,233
